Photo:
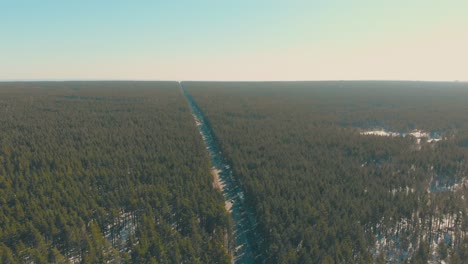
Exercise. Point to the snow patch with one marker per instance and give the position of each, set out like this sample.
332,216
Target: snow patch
417,134
381,133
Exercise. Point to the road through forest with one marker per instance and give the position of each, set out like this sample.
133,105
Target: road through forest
244,220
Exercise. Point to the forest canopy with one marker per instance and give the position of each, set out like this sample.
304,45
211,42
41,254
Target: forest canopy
322,191
95,172
105,171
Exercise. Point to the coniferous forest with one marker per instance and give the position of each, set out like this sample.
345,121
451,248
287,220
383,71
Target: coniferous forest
332,172
324,191
105,172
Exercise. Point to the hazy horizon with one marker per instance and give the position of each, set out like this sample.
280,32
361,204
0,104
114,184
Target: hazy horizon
223,81
234,41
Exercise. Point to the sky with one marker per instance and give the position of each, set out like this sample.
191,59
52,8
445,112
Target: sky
245,40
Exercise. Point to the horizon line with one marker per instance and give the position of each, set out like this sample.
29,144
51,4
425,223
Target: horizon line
229,81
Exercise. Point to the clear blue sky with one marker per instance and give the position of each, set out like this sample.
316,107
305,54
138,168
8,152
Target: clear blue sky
234,40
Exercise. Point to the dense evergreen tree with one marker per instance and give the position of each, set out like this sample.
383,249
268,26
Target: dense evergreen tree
324,193
95,172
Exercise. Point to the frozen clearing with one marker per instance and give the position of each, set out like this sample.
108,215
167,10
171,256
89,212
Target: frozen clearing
417,134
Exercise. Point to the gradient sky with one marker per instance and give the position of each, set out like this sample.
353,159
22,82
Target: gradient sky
234,40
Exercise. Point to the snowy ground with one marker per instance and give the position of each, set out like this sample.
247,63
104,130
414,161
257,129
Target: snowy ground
417,134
